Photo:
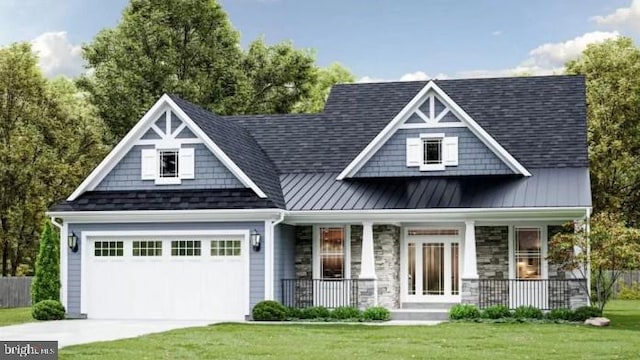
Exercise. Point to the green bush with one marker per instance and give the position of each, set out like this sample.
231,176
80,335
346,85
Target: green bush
629,292
48,310
46,284
315,312
560,314
269,310
496,312
584,312
293,313
376,313
464,312
346,312
528,312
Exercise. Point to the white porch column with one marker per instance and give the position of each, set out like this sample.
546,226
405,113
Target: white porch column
368,262
368,259
470,259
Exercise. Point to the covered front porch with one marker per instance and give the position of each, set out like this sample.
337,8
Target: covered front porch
427,265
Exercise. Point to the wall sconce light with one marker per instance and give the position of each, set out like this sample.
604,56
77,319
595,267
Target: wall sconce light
73,242
255,240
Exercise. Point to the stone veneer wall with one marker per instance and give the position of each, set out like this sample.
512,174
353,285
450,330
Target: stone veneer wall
492,251
386,240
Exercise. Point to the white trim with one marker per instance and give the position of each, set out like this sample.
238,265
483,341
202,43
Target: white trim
64,248
164,234
158,131
132,137
438,125
397,121
443,114
268,247
422,116
367,253
175,142
178,130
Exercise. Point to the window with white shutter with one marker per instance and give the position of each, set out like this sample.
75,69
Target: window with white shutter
450,150
148,164
186,163
414,152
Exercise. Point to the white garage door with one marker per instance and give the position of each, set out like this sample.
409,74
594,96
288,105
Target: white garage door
166,278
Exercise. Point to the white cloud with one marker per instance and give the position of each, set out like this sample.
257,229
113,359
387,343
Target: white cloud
415,76
369,79
622,18
496,33
57,55
546,59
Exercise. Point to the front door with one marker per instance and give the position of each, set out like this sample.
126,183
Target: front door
432,269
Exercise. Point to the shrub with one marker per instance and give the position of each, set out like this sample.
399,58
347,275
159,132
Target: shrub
269,310
584,312
346,312
464,312
496,312
293,313
629,292
376,313
48,310
46,284
527,312
560,314
316,312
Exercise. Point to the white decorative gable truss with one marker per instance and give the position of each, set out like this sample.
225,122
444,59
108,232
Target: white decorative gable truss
431,108
168,137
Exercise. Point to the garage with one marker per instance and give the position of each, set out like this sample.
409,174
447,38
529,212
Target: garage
166,276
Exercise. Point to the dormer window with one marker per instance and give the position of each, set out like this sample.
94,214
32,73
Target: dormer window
432,152
168,163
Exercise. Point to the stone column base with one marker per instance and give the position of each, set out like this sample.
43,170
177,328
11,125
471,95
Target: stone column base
366,293
470,293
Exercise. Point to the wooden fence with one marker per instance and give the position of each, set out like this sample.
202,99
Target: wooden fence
627,279
15,291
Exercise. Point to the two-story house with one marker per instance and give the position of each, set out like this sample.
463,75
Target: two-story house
409,195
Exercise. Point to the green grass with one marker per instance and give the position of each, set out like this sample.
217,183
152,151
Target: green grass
445,341
15,316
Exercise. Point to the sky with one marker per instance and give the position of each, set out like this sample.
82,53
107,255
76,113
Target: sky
378,40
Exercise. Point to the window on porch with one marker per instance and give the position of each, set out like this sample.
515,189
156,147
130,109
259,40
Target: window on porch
528,253
332,253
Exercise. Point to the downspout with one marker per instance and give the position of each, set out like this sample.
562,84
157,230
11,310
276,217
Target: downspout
271,254
588,270
64,229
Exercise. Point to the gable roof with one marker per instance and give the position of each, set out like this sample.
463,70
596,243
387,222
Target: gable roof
412,106
539,120
211,130
239,145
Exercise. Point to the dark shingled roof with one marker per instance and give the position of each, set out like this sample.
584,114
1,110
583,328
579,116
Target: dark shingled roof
540,120
295,158
239,146
165,200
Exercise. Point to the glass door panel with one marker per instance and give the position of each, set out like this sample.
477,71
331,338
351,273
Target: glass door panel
455,275
433,269
411,269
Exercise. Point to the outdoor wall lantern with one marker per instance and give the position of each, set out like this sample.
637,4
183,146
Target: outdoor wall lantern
255,240
73,242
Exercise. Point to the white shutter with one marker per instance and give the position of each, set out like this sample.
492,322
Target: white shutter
450,149
414,152
148,165
186,163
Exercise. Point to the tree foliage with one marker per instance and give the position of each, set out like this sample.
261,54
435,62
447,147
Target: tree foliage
612,72
608,248
50,138
319,92
190,48
46,285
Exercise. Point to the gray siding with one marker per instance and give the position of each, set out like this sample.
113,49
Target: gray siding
284,256
210,174
256,259
474,158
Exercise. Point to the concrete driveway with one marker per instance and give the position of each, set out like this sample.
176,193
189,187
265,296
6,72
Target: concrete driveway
73,332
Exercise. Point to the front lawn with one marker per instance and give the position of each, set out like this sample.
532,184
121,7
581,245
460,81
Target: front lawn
445,341
15,316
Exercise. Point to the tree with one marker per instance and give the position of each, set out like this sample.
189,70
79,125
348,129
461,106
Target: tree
608,249
612,72
326,78
50,138
46,285
190,48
